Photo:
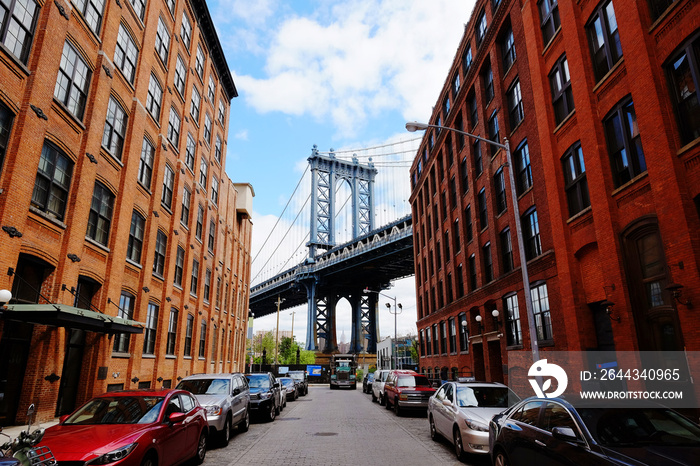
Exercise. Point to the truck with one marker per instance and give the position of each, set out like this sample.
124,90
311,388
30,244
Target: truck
342,368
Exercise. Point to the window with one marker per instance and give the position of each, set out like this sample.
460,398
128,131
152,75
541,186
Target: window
436,340
658,7
73,81
194,277
443,337
199,63
575,182
463,333
179,264
446,106
196,101
684,77
52,182
159,256
468,221
171,6
455,85
188,335
464,172
540,309
531,234
207,128
146,163
133,247
91,10
6,117
190,152
154,98
624,143
604,39
207,285
202,340
126,311
515,105
172,332
222,113
217,149
499,186
186,202
203,167
494,133
162,41
487,262
488,83
476,153
200,222
149,332
214,190
212,235
126,55
483,210
473,110
560,84
115,129
467,60
549,19
508,49
17,24
455,236
513,332
422,342
506,250
211,90
174,127
472,273
453,194
100,218
166,198
523,169
139,7
186,31
180,76
481,28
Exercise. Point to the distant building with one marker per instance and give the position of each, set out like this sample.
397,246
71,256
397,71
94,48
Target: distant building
599,102
125,244
404,358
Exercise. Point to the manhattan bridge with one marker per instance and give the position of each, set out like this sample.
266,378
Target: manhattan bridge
345,233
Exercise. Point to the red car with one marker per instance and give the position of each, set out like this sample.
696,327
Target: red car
139,427
407,390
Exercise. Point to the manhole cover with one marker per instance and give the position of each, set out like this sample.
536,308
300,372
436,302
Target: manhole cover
325,434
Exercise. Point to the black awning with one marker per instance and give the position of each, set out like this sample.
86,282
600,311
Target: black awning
62,315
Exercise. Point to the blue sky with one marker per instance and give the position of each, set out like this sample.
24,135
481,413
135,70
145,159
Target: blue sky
337,73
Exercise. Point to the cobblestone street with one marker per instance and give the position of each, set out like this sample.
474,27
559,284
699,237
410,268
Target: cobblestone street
338,427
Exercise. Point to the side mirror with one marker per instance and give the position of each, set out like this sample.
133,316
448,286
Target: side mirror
566,434
177,417
31,410
236,391
447,402
276,385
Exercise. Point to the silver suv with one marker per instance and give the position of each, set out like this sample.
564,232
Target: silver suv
378,385
226,398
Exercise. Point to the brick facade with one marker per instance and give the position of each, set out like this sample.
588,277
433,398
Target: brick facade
107,185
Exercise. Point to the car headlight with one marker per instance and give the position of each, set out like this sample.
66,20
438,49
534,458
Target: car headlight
115,455
265,396
213,410
477,425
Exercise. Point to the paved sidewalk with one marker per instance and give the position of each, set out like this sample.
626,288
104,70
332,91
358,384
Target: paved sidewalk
13,431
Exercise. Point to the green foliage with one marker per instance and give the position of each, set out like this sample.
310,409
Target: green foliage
359,374
287,350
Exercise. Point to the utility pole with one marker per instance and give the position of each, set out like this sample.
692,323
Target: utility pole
277,337
292,314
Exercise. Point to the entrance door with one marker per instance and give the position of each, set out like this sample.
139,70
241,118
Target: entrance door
495,361
14,347
72,364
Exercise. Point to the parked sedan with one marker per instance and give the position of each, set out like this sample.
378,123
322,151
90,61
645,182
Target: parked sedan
264,394
292,390
367,381
301,378
552,431
145,427
225,397
461,411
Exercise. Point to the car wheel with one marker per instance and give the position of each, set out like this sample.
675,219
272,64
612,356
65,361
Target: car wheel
433,431
149,460
382,399
501,459
296,395
278,409
244,425
201,448
397,408
374,398
386,402
273,413
225,434
459,447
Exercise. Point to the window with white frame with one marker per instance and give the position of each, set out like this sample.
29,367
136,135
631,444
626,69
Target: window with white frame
540,309
174,127
186,31
196,102
149,332
115,129
162,41
199,63
17,26
186,204
135,242
154,98
53,179
159,253
190,152
180,76
166,198
72,81
91,10
126,54
203,167
513,331
100,217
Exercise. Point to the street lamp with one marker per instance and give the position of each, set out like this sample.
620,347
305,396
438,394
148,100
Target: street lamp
415,126
396,311
277,336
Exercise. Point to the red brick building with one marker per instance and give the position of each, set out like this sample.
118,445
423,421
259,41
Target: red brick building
125,245
607,104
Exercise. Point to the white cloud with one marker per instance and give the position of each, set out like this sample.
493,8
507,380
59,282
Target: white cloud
242,135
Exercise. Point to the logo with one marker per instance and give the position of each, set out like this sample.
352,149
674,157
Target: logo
542,369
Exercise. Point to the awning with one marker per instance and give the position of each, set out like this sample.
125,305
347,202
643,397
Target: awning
62,315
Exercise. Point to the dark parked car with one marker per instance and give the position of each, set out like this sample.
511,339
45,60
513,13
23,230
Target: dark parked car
225,397
407,390
144,427
301,378
292,390
367,381
551,431
264,395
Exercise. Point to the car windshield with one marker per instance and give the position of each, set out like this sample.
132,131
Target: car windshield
412,381
482,397
297,375
258,381
288,382
117,410
206,386
643,426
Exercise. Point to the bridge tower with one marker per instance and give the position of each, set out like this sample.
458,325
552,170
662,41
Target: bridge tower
326,174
